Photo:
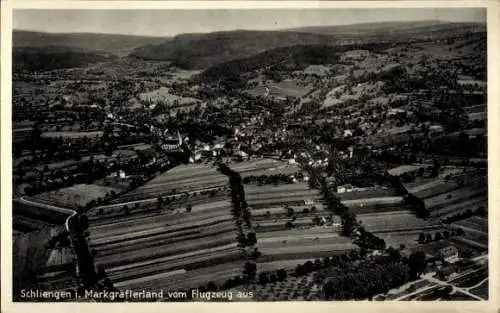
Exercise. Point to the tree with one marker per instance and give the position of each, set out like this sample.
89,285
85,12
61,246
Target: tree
273,278
417,264
446,234
313,210
394,254
421,238
251,239
438,236
300,270
428,238
211,286
189,208
305,211
318,264
250,271
309,266
126,209
281,273
288,225
263,278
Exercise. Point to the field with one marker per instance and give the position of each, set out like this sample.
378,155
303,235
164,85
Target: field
180,179
366,194
397,227
319,70
285,88
257,167
475,223
471,280
68,134
285,246
30,212
338,95
372,205
481,290
442,200
163,95
77,195
397,221
170,249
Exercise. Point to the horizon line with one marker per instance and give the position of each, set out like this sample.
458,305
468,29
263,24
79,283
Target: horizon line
294,29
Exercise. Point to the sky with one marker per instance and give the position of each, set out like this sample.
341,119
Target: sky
172,22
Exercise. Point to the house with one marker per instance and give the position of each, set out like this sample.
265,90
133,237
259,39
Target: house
347,133
344,188
448,253
405,170
445,272
172,144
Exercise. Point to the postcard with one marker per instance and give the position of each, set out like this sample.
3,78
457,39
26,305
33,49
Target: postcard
278,155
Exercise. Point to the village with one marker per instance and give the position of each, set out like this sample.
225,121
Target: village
298,180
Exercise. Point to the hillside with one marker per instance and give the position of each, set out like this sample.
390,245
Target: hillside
54,57
282,58
116,44
197,51
390,28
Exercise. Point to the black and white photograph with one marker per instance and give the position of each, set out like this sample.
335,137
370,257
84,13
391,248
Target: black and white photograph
249,155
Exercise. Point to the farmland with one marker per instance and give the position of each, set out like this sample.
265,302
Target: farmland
180,179
481,290
287,228
370,205
160,250
397,221
397,227
282,89
263,166
75,196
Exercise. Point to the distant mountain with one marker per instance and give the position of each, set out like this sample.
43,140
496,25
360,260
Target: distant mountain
282,58
389,28
116,44
54,57
197,51
200,51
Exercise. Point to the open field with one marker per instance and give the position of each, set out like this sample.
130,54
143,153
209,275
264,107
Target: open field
338,95
397,221
281,247
77,195
30,214
67,134
442,200
476,223
461,206
257,167
169,249
481,290
183,178
372,205
163,95
366,194
285,88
